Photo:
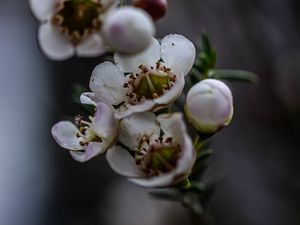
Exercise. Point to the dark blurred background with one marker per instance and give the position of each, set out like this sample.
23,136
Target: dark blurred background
257,156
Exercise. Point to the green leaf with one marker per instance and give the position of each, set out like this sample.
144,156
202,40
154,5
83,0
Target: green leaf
235,75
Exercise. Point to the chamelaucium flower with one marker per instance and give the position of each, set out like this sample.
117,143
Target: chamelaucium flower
71,27
209,106
86,139
160,152
156,8
149,80
128,30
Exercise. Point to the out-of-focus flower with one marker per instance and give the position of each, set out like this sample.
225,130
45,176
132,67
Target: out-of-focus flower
86,139
71,26
150,84
209,105
161,152
128,29
156,8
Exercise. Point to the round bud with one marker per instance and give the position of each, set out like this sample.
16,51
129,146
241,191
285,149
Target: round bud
209,106
156,8
128,30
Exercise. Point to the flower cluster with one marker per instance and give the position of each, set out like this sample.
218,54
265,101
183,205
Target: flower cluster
133,94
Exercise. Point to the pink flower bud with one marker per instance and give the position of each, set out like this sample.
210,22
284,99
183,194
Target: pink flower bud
128,30
209,106
156,8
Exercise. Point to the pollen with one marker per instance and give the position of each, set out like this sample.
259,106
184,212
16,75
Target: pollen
77,19
149,83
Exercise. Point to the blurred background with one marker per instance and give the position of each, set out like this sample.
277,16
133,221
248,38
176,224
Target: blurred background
257,156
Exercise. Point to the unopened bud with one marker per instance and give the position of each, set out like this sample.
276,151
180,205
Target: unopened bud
209,106
128,30
156,8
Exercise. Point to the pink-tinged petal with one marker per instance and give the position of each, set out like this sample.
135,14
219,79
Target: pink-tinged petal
171,95
128,110
53,43
130,63
107,83
92,46
93,149
88,98
122,162
42,9
136,127
178,53
104,123
64,133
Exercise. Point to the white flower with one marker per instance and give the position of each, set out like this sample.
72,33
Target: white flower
71,26
209,105
161,152
149,84
128,30
87,139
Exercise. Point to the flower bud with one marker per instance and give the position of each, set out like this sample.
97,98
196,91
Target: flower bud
128,30
209,106
156,8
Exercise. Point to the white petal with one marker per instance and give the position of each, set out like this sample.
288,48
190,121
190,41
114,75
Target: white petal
64,133
128,30
53,43
88,98
146,105
107,83
42,9
91,47
134,128
104,123
122,162
93,149
130,63
178,53
171,95
155,182
172,125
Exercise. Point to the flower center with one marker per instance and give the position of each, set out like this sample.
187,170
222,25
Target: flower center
149,83
77,18
86,131
160,157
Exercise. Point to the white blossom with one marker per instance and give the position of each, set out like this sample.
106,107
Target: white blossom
86,139
71,27
149,80
161,152
209,105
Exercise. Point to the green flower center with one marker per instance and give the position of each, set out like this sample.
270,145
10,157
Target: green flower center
77,18
149,83
161,157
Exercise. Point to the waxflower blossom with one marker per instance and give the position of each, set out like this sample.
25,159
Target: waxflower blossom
156,8
153,78
160,151
209,105
128,30
71,26
87,139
